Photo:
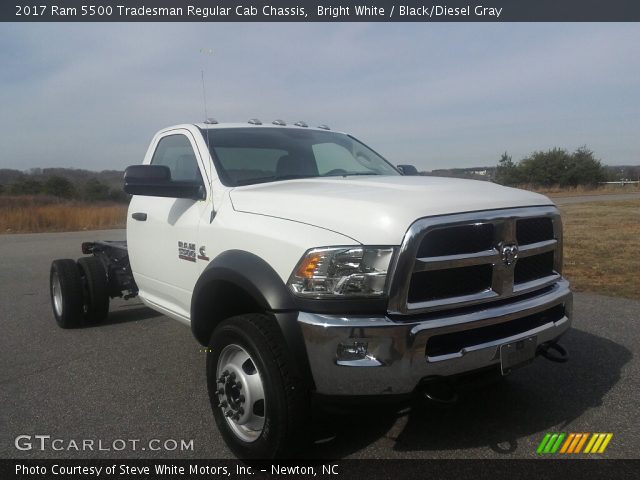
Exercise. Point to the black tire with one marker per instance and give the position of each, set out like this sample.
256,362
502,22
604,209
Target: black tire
96,292
286,402
65,286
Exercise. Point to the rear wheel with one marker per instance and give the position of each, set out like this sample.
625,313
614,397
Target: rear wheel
66,293
96,298
260,409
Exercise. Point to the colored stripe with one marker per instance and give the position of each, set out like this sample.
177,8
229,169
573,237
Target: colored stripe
605,443
555,448
547,448
596,446
579,446
567,442
574,443
593,439
543,443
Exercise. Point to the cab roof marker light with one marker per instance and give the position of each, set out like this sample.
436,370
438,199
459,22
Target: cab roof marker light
211,121
300,123
324,127
281,123
255,121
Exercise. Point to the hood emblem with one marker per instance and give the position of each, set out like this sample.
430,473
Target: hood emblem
509,254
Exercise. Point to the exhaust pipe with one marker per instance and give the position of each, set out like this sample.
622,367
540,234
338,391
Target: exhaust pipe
554,352
440,391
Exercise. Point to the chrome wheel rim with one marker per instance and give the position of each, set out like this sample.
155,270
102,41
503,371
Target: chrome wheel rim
240,393
56,293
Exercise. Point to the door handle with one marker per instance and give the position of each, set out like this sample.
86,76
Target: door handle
140,216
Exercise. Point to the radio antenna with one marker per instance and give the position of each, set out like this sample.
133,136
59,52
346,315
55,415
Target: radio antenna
208,51
204,95
207,121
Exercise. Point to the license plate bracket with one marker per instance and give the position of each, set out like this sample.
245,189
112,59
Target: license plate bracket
517,354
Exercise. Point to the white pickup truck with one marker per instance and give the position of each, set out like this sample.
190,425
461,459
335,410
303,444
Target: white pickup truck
309,266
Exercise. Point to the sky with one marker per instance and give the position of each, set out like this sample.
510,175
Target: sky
433,95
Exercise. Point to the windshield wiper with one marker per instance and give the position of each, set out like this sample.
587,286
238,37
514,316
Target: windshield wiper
251,181
293,177
349,174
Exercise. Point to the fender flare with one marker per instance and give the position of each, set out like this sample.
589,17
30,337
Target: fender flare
262,283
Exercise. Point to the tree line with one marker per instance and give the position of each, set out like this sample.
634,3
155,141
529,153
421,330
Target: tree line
91,190
552,167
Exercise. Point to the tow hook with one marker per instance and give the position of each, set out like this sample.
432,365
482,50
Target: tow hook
440,391
554,352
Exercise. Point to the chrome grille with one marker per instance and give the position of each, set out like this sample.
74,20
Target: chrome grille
534,230
459,260
457,240
534,267
449,282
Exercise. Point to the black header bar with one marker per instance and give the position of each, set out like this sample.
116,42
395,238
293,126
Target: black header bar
320,11
104,469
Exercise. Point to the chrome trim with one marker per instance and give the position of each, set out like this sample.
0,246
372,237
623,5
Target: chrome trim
397,359
456,261
530,249
369,361
452,302
502,283
536,284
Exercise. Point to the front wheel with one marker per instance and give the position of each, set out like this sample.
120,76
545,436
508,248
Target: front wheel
259,407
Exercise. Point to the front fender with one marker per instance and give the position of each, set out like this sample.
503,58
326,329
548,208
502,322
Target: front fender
263,290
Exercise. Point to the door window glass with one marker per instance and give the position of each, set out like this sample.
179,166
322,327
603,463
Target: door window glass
175,152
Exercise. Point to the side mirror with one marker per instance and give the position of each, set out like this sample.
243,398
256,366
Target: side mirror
408,170
155,181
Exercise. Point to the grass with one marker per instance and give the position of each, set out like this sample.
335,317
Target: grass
47,214
602,247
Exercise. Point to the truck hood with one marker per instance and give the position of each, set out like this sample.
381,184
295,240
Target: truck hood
375,210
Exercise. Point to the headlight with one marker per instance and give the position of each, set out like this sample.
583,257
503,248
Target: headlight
342,272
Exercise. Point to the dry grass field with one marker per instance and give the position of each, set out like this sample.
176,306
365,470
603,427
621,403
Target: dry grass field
583,190
602,239
45,214
602,247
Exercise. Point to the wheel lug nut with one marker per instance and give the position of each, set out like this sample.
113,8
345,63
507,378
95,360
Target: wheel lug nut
228,413
236,417
241,411
241,398
223,404
238,385
233,375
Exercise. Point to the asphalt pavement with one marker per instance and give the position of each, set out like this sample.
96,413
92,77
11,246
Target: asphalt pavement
140,376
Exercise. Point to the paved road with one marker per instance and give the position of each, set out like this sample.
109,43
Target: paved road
596,198
141,376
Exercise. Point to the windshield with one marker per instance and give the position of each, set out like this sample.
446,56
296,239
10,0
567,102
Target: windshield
245,156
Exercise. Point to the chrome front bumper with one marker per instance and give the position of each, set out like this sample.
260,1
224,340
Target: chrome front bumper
397,358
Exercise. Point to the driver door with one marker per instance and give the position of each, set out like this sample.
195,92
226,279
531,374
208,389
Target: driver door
162,233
